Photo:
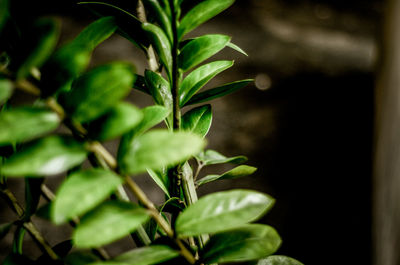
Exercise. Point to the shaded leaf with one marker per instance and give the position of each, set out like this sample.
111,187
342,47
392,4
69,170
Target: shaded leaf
211,157
249,242
140,84
160,179
157,11
32,195
6,89
38,120
48,156
237,172
201,13
80,258
218,91
95,92
279,260
4,229
4,13
198,120
222,211
16,259
159,148
18,241
119,120
44,211
199,77
200,49
236,48
107,223
62,249
81,192
159,89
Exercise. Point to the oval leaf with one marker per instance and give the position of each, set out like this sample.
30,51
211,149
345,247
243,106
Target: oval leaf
81,192
279,260
198,120
200,49
159,89
222,211
48,156
218,91
159,148
6,89
237,172
119,120
95,92
107,223
246,243
211,157
25,123
201,13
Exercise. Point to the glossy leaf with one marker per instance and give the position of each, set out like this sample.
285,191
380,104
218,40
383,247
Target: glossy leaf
154,7
279,260
33,193
199,77
154,254
200,49
249,242
6,89
160,179
26,123
42,41
81,192
119,120
48,156
159,89
107,223
236,48
222,211
159,148
160,43
211,157
201,13
218,91
198,120
237,172
95,92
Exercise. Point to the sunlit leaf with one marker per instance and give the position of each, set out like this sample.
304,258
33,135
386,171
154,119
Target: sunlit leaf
222,211
81,192
249,242
237,172
198,120
236,48
107,223
48,156
211,157
278,260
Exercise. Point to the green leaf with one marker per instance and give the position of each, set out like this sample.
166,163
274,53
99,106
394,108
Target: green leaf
279,260
200,49
80,258
6,89
4,13
199,77
119,120
140,84
222,211
236,48
42,41
4,229
44,211
95,92
25,123
160,179
81,192
161,44
154,7
237,172
246,243
211,157
159,148
201,13
18,242
154,254
33,193
198,120
107,223
159,89
48,156
218,91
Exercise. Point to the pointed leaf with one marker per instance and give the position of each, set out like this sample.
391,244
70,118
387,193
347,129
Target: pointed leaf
107,223
199,77
160,179
222,211
211,157
237,172
201,13
200,49
95,92
48,156
32,195
279,260
159,89
218,91
14,124
159,148
81,192
236,48
154,7
119,120
198,120
246,243
6,89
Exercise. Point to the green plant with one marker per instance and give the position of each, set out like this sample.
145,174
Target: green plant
214,229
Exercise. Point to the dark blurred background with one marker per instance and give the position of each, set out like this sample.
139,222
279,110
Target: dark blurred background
306,122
